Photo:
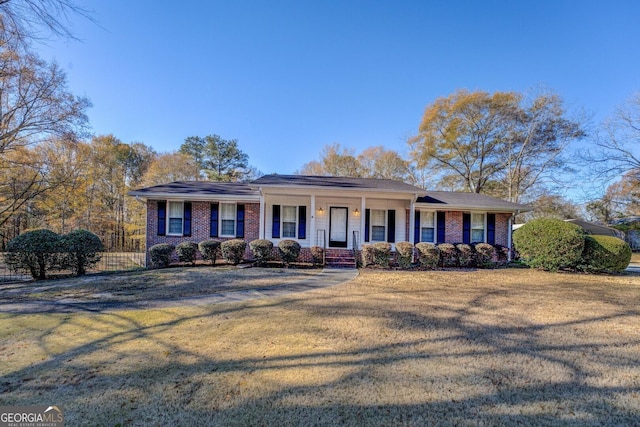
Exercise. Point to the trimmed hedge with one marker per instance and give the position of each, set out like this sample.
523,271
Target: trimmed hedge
404,251
367,255
187,252
466,255
550,244
81,251
161,254
448,255
233,250
381,252
289,251
484,254
604,254
317,254
36,251
261,250
209,249
428,255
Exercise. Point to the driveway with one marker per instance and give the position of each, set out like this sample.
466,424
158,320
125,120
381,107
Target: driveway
328,277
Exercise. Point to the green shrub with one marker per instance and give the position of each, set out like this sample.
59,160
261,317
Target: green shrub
233,250
187,252
428,255
317,253
289,251
466,255
367,255
81,249
484,255
36,251
381,254
404,251
549,244
448,255
209,249
161,254
605,254
262,250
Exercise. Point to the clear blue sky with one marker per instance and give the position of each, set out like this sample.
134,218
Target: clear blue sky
286,78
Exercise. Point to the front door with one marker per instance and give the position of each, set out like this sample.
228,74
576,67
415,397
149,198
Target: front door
338,227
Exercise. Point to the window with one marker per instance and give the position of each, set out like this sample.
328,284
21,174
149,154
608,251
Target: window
477,227
175,217
427,226
227,219
289,223
378,225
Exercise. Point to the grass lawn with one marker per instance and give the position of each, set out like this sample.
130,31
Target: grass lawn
499,347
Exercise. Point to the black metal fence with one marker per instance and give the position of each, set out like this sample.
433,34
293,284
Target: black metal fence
109,261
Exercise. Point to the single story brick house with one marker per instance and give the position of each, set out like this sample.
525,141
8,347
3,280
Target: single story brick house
339,214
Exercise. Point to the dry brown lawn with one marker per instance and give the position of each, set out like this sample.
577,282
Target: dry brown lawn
501,347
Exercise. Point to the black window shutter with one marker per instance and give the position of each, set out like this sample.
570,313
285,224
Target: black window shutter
275,227
442,221
240,221
186,221
162,218
213,232
466,228
491,229
302,222
416,231
391,226
367,223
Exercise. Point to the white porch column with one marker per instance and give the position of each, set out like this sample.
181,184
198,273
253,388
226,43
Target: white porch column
363,223
312,230
509,232
262,231
412,221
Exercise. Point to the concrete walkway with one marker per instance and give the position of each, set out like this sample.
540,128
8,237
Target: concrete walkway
328,277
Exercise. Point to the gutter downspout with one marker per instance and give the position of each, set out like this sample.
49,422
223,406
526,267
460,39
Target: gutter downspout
262,230
509,235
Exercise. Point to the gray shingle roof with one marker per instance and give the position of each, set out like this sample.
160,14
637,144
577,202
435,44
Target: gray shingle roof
336,182
462,200
197,188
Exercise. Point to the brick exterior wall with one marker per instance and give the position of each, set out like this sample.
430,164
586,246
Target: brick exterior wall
453,227
502,229
200,225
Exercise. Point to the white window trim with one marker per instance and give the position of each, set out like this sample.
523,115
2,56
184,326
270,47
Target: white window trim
168,220
235,219
435,224
386,228
282,221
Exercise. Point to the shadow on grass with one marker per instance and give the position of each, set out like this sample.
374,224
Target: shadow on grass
437,355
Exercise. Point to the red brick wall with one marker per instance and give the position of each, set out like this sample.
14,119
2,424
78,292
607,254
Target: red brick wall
502,229
453,227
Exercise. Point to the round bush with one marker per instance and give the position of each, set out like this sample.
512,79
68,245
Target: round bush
233,250
82,249
36,251
187,252
317,253
366,253
209,249
484,254
448,255
161,254
603,254
404,251
428,255
289,250
466,256
381,252
549,244
262,250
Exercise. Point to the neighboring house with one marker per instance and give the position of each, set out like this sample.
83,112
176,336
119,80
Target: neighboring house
337,213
